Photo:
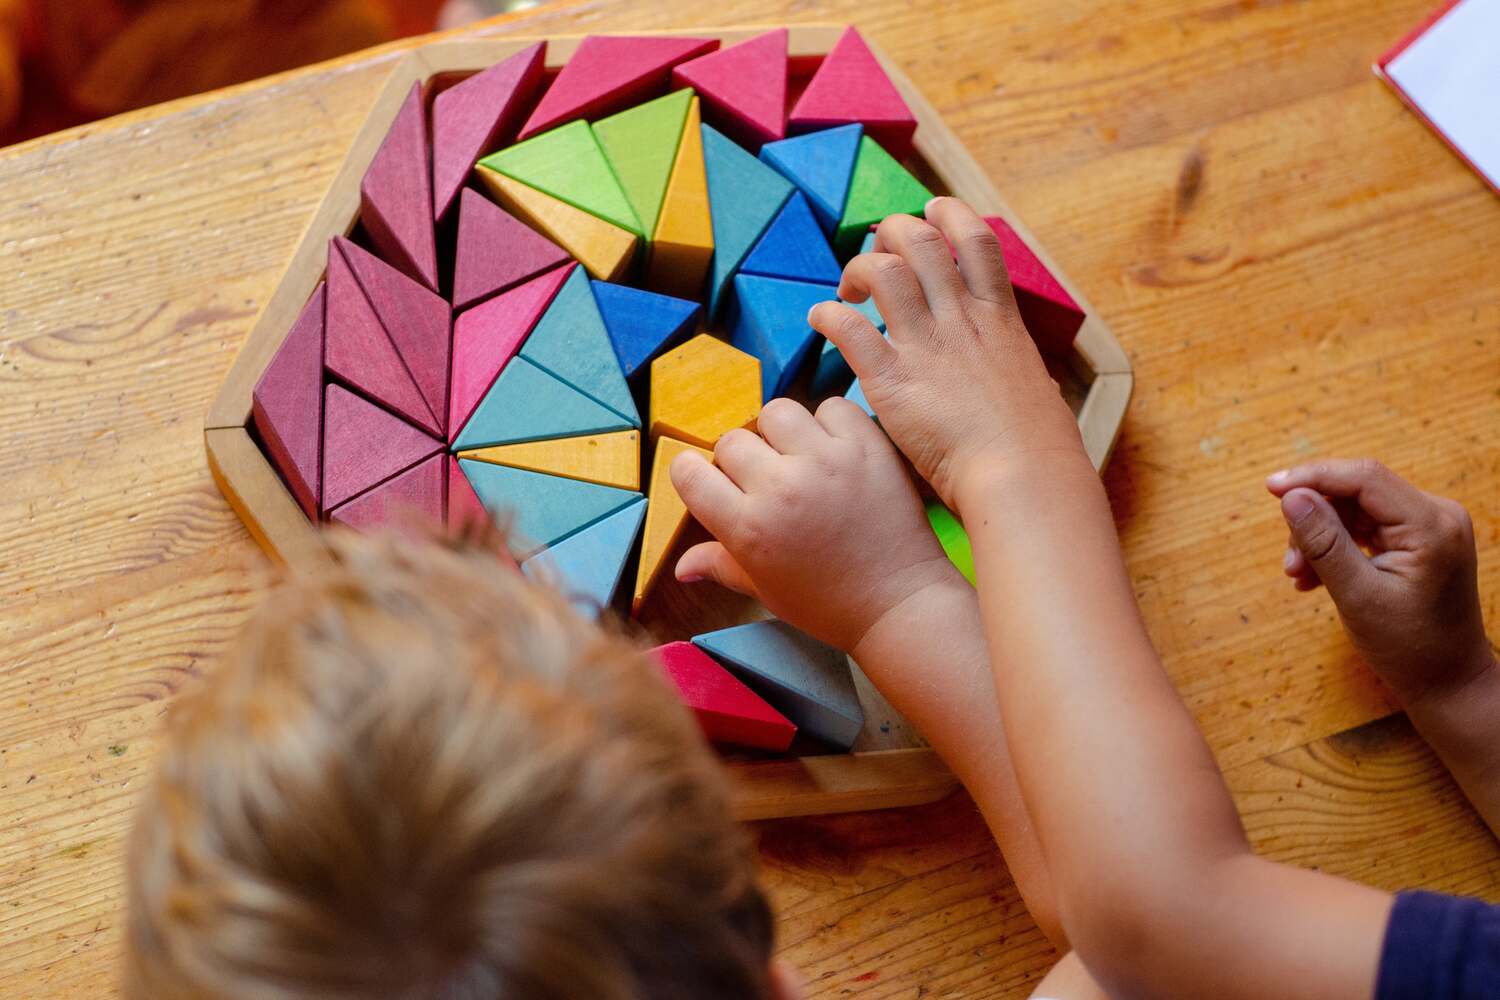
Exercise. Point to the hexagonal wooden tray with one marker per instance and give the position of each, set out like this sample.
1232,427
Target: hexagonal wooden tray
890,765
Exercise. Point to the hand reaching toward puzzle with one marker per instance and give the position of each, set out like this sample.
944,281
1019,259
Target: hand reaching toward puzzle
958,383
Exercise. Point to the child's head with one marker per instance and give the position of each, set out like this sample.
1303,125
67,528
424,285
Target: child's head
416,776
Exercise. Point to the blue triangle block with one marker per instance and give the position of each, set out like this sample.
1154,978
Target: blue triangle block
528,404
794,247
856,395
806,680
821,164
643,324
587,566
541,510
570,341
744,195
771,323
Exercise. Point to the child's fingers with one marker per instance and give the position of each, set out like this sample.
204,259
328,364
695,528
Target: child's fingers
709,494
1380,493
853,334
712,561
789,428
926,252
1319,533
890,281
976,248
843,419
745,458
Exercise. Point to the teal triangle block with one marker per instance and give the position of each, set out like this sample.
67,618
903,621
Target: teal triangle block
794,247
856,395
771,323
820,163
587,566
744,195
570,342
541,510
643,324
528,404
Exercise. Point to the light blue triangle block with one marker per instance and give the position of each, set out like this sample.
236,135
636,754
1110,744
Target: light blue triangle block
820,164
643,324
744,195
528,404
771,323
794,247
541,510
570,341
587,566
856,395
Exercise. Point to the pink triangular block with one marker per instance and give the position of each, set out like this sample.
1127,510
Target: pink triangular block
477,116
288,405
850,86
1052,316
358,351
609,72
364,445
396,194
495,251
727,710
415,495
743,87
486,337
417,320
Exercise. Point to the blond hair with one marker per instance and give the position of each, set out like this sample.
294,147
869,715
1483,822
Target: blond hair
418,776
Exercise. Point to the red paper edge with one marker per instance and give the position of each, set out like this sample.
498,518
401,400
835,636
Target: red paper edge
1416,33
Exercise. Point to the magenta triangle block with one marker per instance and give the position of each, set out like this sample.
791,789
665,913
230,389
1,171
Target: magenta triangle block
850,86
495,251
726,709
287,405
396,194
364,445
418,494
743,87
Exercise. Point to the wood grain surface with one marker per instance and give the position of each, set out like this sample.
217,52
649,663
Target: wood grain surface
1294,265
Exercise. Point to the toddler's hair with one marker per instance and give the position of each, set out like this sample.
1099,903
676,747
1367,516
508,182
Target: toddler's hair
419,776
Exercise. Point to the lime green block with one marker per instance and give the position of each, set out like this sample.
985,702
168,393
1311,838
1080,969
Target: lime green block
952,537
568,164
641,145
880,187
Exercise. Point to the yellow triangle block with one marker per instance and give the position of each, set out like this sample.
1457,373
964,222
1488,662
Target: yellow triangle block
605,250
666,516
683,243
607,459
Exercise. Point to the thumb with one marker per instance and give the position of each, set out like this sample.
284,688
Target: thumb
712,561
1324,541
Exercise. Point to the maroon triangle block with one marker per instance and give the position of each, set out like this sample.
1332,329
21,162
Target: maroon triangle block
396,194
743,87
727,710
357,349
417,319
495,251
408,498
287,405
477,116
850,86
608,73
364,445
467,514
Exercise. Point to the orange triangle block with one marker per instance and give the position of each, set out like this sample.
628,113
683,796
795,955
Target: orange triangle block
665,517
605,250
683,244
612,459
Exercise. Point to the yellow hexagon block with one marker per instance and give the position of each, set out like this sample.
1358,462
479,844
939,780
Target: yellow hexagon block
702,389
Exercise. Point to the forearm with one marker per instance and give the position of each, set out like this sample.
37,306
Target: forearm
1459,724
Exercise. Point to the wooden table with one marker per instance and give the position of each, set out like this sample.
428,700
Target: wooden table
1294,264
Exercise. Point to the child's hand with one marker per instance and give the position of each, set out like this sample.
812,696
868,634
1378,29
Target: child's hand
958,384
1411,607
815,517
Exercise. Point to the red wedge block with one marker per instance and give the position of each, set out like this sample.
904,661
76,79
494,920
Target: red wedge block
1051,315
850,86
728,711
415,495
743,88
495,251
288,405
466,511
364,445
396,194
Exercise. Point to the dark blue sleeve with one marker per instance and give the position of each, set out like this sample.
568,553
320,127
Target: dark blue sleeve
1440,948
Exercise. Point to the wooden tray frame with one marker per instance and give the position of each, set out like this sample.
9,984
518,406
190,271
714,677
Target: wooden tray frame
1098,369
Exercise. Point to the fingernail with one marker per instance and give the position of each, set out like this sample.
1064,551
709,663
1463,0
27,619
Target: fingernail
1289,558
1296,505
1278,475
930,202
809,315
691,578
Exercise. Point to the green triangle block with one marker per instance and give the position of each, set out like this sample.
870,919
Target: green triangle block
952,537
641,146
572,343
880,187
528,404
568,164
541,510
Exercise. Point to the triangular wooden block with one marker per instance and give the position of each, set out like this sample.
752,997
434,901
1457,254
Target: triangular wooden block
466,514
744,195
771,323
364,445
726,710
528,404
570,342
287,405
541,510
641,144
417,319
880,187
417,493
952,536
607,73
793,247
612,459
642,324
358,350
605,250
1051,315
665,518
478,115
486,337
495,251
702,389
395,196
850,86
568,163
807,681
820,164
683,244
587,566
743,87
